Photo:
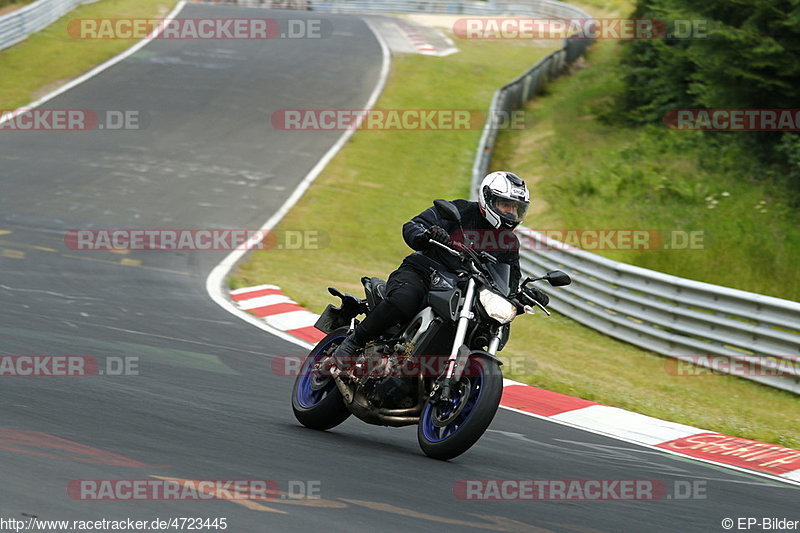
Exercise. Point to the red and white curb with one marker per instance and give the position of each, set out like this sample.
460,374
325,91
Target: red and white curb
421,43
279,311
675,438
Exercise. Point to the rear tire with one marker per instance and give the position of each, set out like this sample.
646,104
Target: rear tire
484,381
316,401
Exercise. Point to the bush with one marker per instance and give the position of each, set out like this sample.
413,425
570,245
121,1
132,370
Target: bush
746,59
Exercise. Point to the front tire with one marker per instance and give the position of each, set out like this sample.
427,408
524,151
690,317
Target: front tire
316,401
447,432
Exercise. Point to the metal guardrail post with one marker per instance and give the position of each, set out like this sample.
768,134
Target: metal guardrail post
18,25
753,336
666,314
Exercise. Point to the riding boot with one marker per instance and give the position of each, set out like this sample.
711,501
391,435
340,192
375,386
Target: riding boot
351,345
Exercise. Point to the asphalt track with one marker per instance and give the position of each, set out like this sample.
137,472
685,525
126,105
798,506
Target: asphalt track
206,403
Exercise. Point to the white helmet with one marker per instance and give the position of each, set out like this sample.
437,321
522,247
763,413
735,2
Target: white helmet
504,199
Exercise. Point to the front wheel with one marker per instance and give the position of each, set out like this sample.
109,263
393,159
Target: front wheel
316,401
447,431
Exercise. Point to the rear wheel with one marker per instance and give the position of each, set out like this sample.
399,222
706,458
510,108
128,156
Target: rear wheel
316,401
448,430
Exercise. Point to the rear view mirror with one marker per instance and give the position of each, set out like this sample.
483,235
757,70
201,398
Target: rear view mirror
556,278
448,210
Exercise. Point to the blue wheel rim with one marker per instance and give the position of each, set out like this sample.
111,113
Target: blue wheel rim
307,397
434,433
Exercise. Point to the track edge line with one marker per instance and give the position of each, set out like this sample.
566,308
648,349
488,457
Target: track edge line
216,278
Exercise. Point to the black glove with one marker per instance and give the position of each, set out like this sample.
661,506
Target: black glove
529,294
438,234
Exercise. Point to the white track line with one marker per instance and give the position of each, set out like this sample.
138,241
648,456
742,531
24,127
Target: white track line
214,282
98,69
216,279
255,288
596,431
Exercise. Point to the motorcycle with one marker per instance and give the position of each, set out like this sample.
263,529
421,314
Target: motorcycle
399,379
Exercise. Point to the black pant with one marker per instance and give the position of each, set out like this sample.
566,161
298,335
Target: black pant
405,297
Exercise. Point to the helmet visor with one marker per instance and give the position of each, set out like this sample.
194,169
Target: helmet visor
510,209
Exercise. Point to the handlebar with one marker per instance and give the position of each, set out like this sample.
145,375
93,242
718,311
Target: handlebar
445,248
543,308
472,253
465,252
458,247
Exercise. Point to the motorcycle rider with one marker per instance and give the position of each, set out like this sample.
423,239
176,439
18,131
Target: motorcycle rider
502,204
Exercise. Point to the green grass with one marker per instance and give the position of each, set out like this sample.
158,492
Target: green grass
381,179
15,3
569,358
50,58
586,173
606,8
589,173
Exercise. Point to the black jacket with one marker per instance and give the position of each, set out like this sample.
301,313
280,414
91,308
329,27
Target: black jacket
503,244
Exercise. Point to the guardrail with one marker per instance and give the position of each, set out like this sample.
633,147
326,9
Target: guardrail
537,8
746,334
677,317
18,25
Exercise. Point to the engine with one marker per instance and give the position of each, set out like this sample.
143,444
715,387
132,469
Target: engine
383,376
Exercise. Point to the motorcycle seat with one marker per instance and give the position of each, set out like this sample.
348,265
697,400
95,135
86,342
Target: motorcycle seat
375,289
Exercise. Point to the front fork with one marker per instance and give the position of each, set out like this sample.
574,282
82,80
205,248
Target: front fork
459,354
454,370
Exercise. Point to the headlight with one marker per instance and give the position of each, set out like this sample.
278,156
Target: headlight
497,307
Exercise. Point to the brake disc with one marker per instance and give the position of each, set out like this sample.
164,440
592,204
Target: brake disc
440,419
318,380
